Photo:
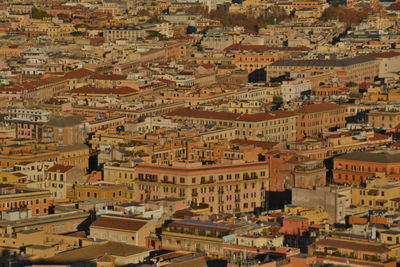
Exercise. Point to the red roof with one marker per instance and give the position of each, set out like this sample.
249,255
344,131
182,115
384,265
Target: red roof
18,174
319,107
119,223
378,136
262,144
78,73
208,66
384,54
60,168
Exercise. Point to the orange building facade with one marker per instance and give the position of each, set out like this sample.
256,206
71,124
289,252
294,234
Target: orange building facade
314,119
234,188
357,167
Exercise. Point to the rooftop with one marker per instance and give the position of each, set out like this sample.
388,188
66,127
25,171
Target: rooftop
380,157
323,62
227,116
120,223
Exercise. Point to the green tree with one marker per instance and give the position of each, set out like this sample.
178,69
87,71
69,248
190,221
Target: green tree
277,100
349,16
160,36
39,14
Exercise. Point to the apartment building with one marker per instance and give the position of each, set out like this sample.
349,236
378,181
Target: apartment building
294,88
200,236
313,119
273,126
378,194
64,130
352,251
357,167
130,33
29,122
101,191
115,173
59,180
13,197
225,188
353,69
254,61
384,119
122,229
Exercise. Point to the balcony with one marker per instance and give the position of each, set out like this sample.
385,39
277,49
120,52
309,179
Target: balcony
220,191
207,182
189,234
167,182
247,177
195,194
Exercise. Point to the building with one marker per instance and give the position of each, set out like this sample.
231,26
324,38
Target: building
59,180
378,194
357,167
352,69
64,130
13,197
128,33
122,229
272,126
388,63
339,250
76,155
309,175
59,223
384,119
224,188
293,89
29,122
14,154
314,119
107,254
101,191
200,236
333,200
294,226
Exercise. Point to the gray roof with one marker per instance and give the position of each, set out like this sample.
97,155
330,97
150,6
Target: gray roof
65,121
323,62
72,147
381,157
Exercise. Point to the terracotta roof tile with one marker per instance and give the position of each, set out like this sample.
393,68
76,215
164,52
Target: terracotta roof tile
92,252
384,54
262,144
320,107
78,73
119,223
60,168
